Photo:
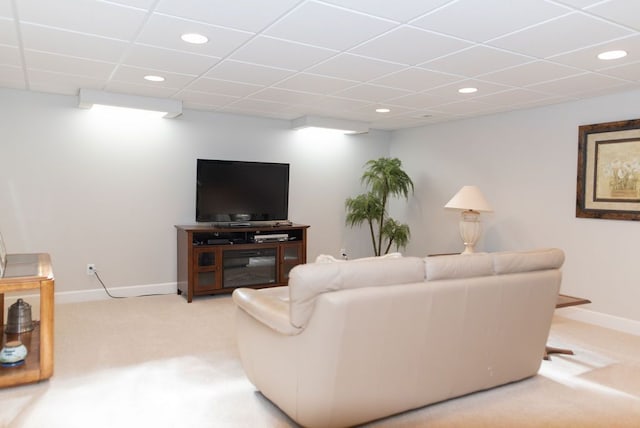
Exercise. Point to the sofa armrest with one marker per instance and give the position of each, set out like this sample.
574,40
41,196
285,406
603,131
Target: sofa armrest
270,306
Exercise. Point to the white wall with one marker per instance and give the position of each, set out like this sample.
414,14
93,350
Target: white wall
109,193
525,163
87,189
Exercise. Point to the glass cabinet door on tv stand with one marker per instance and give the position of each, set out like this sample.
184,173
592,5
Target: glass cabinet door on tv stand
291,254
218,259
206,276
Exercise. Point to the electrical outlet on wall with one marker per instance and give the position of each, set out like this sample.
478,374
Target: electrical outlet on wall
91,269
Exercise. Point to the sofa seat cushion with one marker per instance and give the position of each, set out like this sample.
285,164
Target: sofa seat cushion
307,281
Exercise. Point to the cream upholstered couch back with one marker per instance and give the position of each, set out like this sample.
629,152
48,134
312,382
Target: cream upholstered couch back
348,342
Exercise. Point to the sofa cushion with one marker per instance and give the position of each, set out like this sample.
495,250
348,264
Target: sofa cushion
268,305
527,261
307,281
458,266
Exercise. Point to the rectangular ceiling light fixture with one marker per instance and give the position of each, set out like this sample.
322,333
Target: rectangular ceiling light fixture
90,97
342,125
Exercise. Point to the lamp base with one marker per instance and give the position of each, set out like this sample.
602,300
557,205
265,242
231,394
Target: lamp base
470,230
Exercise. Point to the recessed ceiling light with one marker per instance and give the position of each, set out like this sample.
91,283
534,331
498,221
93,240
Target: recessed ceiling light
467,90
152,78
194,38
383,110
612,55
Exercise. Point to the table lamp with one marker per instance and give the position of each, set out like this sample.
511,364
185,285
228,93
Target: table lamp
470,200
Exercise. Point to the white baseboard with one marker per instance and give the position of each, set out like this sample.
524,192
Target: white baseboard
624,325
600,319
100,294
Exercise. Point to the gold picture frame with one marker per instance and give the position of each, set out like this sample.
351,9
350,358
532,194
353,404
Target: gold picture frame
609,170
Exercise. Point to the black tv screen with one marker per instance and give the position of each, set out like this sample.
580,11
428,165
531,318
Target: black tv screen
238,191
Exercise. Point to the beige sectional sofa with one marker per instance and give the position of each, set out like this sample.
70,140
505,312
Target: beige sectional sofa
349,342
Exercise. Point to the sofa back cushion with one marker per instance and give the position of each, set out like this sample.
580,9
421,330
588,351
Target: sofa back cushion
307,281
458,266
527,261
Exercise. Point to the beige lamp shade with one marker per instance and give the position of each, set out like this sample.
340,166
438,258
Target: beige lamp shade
469,198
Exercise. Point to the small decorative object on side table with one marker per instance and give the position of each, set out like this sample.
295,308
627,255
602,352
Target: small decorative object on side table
13,354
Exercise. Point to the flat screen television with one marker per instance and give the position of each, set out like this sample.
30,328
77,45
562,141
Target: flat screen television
239,191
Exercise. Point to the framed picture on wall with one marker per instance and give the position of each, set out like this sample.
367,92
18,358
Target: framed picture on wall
609,170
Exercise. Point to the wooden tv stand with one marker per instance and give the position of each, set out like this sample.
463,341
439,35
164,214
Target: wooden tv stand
219,259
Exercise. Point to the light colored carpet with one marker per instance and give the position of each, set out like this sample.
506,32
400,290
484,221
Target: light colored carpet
160,362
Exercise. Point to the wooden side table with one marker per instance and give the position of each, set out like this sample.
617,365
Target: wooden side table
28,272
563,302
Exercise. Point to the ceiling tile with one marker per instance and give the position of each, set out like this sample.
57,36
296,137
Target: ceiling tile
587,58
5,9
139,89
578,85
72,44
37,60
372,93
330,105
247,15
410,46
168,60
11,77
368,112
629,72
353,67
625,12
401,11
223,87
465,107
44,81
398,122
190,105
560,35
420,101
141,4
280,53
135,75
530,73
208,99
487,19
10,56
476,60
315,84
90,17
8,34
165,31
416,79
450,92
513,97
248,73
286,96
580,3
308,24
257,105
271,114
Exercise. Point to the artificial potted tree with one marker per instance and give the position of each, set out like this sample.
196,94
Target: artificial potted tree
385,178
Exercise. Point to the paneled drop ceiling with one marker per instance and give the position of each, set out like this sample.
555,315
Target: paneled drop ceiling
337,58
